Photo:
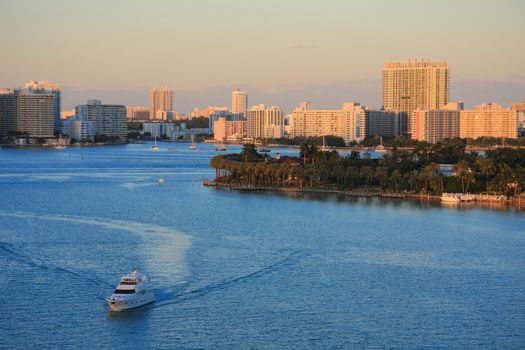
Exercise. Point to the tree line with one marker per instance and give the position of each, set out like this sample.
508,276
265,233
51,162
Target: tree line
499,171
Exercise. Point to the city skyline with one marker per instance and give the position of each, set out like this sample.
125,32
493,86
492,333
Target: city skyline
202,58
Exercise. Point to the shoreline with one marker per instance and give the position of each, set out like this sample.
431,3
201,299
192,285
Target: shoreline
518,203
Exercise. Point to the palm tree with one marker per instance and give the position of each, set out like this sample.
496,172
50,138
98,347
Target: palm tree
486,167
464,173
367,173
382,176
412,178
395,178
353,173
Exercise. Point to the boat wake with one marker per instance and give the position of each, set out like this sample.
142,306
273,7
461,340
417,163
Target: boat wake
179,297
12,254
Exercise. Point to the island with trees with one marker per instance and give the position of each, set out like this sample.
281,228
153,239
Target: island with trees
420,171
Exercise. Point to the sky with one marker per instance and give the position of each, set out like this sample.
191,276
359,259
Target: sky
280,51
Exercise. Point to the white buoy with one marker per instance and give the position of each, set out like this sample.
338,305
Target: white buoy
161,181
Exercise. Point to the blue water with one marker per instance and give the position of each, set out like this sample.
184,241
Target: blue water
237,270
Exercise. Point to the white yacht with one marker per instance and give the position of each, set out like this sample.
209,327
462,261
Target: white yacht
132,292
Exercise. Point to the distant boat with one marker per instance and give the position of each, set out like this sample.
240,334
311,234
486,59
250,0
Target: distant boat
155,147
450,198
220,148
172,149
192,147
325,147
263,149
381,148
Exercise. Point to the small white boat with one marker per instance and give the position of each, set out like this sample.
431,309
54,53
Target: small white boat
192,146
263,149
325,147
220,148
451,198
155,147
381,149
131,293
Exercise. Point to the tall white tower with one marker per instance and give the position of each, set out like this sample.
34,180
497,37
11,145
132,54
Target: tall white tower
239,101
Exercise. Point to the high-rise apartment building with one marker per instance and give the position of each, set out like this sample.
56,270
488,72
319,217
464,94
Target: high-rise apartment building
239,102
411,85
349,122
436,125
109,120
78,128
519,107
46,87
384,123
160,101
491,120
26,111
262,122
225,129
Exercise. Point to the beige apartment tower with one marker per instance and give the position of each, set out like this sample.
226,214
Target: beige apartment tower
349,122
239,101
418,84
490,120
160,101
264,122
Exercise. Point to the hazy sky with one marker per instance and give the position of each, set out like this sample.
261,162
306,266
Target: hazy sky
279,51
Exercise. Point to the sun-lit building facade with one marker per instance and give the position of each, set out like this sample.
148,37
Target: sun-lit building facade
239,101
417,84
160,101
349,122
261,121
490,120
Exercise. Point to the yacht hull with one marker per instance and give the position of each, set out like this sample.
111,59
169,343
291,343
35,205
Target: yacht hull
122,304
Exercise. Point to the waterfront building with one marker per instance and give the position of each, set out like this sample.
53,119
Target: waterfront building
519,107
227,130
226,115
349,122
159,130
418,84
109,120
207,112
239,102
28,112
46,87
436,125
261,120
384,123
491,120
78,128
160,100
137,113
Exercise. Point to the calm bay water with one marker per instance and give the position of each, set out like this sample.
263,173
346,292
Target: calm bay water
235,270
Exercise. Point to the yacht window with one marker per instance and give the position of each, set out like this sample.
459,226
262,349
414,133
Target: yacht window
128,283
124,291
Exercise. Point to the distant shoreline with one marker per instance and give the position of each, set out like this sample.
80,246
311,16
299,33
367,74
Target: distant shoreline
514,203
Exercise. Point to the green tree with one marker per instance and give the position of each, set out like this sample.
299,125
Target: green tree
249,153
